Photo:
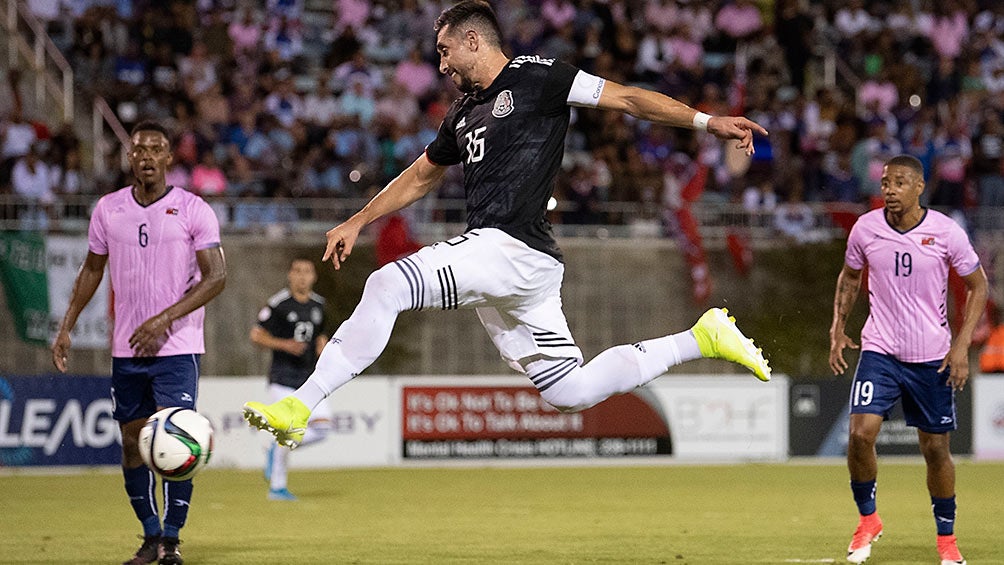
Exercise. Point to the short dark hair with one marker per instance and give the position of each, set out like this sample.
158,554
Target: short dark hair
908,161
300,258
476,13
150,125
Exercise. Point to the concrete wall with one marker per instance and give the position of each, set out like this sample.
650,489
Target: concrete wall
615,291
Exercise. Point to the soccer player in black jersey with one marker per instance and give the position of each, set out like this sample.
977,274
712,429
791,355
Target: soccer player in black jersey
292,326
507,132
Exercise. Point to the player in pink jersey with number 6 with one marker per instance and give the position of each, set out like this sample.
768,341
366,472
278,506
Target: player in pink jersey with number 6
162,247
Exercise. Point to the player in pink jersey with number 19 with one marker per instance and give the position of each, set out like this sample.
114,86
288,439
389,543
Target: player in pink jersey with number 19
908,350
162,248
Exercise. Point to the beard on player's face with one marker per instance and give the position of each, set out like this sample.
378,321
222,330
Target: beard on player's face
466,85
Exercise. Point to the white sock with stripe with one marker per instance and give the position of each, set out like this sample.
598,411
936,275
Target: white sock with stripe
617,370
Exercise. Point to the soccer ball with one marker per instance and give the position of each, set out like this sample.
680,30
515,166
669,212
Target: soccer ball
176,443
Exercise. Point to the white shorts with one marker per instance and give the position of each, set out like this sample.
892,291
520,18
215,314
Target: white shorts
516,291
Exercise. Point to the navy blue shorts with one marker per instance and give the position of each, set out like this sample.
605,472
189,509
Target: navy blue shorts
928,402
141,384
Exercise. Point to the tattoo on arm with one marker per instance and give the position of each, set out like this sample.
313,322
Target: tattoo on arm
847,292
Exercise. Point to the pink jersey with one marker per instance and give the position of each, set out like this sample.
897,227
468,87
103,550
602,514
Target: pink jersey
151,259
908,282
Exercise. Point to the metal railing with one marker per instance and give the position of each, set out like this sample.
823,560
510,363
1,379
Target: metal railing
27,38
103,115
39,51
437,219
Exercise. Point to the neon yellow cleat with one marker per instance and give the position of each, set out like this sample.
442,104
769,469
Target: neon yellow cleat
286,419
719,338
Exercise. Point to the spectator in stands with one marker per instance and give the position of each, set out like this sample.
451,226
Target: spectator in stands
284,103
853,21
561,45
94,69
839,182
794,219
952,153
525,38
907,23
291,9
655,52
213,108
197,71
357,101
609,40
945,83
352,13
17,135
877,97
268,144
245,32
240,132
416,75
739,19
68,176
918,139
397,107
324,175
207,177
130,72
988,161
216,35
949,29
285,37
320,106
359,69
31,179
557,13
869,156
794,26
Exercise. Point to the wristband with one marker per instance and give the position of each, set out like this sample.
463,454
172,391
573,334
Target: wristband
701,121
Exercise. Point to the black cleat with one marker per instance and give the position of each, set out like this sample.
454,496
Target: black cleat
149,552
169,552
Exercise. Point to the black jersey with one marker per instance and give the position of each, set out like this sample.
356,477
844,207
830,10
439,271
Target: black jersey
510,138
285,318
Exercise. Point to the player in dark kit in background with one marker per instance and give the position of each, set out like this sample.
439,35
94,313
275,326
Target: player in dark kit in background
292,326
508,131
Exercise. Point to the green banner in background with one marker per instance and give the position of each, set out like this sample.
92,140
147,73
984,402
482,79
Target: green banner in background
23,271
38,273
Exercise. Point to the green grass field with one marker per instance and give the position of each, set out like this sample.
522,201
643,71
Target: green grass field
680,514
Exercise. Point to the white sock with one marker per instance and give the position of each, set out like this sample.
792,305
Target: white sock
617,370
361,338
659,354
280,457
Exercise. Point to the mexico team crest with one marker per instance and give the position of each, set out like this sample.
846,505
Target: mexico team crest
503,104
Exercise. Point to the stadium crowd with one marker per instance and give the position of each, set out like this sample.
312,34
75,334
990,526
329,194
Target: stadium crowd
297,98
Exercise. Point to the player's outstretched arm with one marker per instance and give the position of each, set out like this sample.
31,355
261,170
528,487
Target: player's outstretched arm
419,179
848,285
957,360
212,265
87,282
659,108
261,338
